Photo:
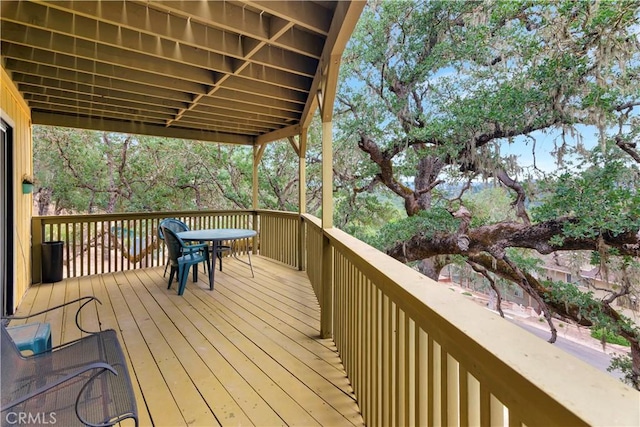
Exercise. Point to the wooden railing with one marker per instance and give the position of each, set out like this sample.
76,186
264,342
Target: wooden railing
279,236
98,244
418,354
313,232
415,352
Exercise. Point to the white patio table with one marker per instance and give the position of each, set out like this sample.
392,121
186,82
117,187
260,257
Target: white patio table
217,235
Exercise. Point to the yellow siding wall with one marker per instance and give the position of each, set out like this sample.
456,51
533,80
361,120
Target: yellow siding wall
16,113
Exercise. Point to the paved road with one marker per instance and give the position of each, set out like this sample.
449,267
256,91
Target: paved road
593,357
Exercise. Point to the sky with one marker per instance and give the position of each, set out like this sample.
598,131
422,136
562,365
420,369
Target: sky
545,143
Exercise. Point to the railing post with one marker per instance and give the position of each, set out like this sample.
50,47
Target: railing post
36,250
302,239
254,245
326,312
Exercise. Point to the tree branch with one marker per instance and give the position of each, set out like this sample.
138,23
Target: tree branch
489,238
479,269
518,203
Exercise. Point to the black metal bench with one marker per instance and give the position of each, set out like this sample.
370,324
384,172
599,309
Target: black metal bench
82,382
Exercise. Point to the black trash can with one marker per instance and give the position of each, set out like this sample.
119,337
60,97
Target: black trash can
52,261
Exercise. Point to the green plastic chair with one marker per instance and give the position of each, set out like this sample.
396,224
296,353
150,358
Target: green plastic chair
176,226
183,256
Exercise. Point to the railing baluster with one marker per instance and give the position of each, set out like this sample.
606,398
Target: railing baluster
421,377
453,390
400,367
474,407
387,364
410,384
431,392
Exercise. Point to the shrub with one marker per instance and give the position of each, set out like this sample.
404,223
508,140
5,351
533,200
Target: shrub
609,336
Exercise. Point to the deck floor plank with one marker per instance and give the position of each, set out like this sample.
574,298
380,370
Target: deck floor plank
248,353
107,317
268,333
249,362
193,409
158,398
301,341
198,356
58,295
31,303
312,386
196,325
298,312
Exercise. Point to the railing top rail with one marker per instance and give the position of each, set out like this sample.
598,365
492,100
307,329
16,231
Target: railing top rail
524,369
136,215
277,213
312,219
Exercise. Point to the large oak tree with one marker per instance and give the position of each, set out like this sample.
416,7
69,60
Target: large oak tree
433,91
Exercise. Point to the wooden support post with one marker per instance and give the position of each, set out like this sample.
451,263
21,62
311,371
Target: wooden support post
258,151
327,175
326,315
328,91
302,196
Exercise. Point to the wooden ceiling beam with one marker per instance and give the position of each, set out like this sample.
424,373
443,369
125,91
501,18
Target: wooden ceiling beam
132,127
57,97
24,72
209,104
282,133
262,89
155,22
220,14
241,129
196,118
48,63
344,21
284,60
79,48
102,112
231,114
152,20
90,30
251,67
48,88
311,16
256,99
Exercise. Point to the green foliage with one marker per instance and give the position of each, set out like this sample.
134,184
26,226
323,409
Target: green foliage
568,294
427,223
83,171
489,205
525,260
605,335
362,216
624,364
600,199
451,74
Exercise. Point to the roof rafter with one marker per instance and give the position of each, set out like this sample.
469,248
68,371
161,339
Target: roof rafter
250,68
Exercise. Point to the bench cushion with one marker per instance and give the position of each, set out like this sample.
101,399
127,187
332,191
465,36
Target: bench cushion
31,336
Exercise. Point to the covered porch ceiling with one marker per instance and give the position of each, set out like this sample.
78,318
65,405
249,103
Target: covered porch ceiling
235,71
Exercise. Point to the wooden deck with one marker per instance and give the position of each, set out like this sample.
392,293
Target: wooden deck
248,353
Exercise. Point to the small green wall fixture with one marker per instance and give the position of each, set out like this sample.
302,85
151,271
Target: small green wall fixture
27,185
